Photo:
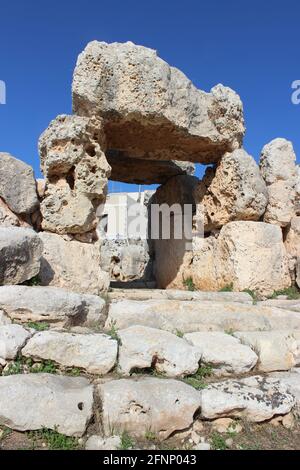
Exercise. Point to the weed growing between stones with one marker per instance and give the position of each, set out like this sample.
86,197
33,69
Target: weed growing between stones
228,288
253,294
189,284
53,439
42,326
127,441
218,442
292,293
34,281
197,380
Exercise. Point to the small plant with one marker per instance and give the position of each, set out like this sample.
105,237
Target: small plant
126,441
47,367
230,331
292,293
54,440
113,333
4,432
14,368
179,333
34,281
204,371
75,372
228,288
198,384
150,436
42,326
253,294
218,442
189,284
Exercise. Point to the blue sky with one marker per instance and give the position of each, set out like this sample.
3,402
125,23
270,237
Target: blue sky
251,46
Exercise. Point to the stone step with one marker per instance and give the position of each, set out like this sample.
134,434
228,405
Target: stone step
193,316
175,294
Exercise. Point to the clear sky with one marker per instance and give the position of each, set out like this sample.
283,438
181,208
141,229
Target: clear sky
251,46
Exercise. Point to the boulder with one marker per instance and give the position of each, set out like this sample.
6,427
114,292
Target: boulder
50,304
9,219
94,353
17,185
20,254
12,339
72,265
235,190
276,350
255,398
36,401
161,406
291,380
278,168
193,316
291,305
251,255
223,352
125,260
143,347
151,110
76,173
100,443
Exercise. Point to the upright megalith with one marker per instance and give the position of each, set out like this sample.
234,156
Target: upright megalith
278,168
76,172
152,111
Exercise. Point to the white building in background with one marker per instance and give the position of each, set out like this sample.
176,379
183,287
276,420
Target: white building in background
124,216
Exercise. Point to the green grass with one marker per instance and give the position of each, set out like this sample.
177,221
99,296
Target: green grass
54,440
75,372
198,384
197,380
179,333
218,442
189,284
292,293
47,367
113,333
126,441
253,294
4,432
150,436
14,368
42,326
228,288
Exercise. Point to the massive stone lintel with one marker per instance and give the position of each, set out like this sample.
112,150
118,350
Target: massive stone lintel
151,110
143,171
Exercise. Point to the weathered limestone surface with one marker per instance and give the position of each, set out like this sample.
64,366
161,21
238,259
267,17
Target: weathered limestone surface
292,239
278,168
35,401
276,350
173,294
100,443
223,352
17,185
292,381
151,110
193,316
125,260
76,172
9,219
254,398
72,265
161,406
95,353
143,347
12,339
50,304
4,319
20,254
235,190
246,255
143,171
